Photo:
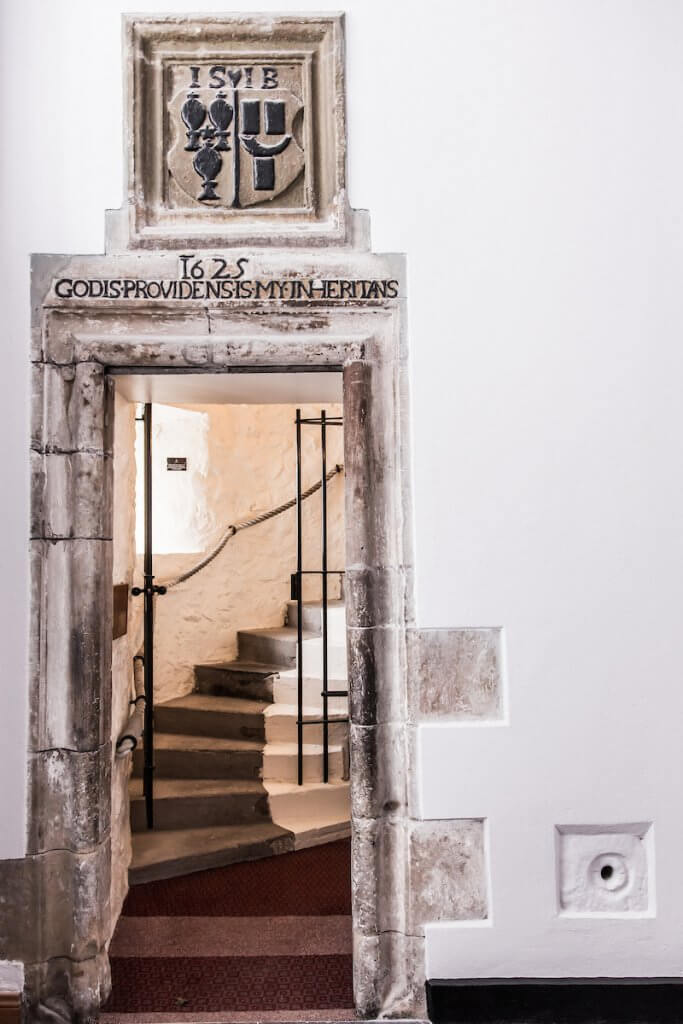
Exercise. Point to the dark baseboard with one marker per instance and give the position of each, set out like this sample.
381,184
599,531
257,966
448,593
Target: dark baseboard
556,1001
10,1007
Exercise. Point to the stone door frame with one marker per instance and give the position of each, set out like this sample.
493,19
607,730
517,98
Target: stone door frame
67,868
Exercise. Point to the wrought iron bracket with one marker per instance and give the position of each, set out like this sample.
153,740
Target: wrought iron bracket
153,589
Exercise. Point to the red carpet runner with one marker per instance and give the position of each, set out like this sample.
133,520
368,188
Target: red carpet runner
267,935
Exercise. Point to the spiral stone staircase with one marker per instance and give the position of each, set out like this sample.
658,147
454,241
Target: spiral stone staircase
225,756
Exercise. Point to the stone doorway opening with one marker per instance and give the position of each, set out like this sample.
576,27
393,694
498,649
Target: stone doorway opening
79,342
225,789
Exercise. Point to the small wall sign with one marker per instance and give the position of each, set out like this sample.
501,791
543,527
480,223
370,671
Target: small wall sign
176,465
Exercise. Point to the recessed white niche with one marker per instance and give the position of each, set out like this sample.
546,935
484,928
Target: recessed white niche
605,870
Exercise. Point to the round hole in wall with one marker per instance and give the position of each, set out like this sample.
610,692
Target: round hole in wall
610,871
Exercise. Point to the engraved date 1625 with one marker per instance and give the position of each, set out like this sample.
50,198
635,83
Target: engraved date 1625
215,268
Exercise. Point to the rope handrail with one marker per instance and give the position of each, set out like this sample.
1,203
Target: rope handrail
244,524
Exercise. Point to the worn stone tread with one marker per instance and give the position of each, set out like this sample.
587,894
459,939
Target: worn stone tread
257,669
167,854
219,705
308,712
221,744
279,633
168,789
281,748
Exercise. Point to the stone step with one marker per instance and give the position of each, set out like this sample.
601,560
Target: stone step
199,803
285,690
280,762
313,660
202,757
274,646
167,854
281,723
249,679
313,618
199,714
314,813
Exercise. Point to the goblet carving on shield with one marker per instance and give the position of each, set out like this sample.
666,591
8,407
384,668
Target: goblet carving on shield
207,163
193,113
221,113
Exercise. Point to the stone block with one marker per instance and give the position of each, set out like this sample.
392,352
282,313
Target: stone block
75,409
412,775
64,991
372,492
379,874
121,845
402,976
408,597
373,597
70,643
378,770
448,874
605,869
454,673
71,495
37,375
376,675
70,801
366,970
55,905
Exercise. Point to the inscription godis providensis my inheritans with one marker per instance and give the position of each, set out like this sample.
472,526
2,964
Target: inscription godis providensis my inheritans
214,277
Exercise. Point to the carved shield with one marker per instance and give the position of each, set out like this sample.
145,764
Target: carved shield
235,147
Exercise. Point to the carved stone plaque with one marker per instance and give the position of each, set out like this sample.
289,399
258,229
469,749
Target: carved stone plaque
238,137
237,131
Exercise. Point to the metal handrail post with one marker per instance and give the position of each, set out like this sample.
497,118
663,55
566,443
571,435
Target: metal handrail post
326,727
148,770
299,608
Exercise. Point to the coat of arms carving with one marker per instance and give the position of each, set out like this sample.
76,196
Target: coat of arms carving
237,132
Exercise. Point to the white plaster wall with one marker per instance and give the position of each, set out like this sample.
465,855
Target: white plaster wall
247,466
125,647
541,210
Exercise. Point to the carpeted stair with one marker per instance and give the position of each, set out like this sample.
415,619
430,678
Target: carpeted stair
262,940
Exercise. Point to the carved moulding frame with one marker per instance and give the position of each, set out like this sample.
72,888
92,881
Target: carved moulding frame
151,44
63,882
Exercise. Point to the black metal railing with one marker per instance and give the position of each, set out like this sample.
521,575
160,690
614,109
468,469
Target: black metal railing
149,590
297,594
